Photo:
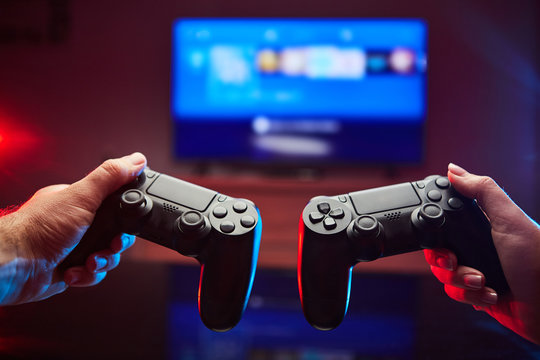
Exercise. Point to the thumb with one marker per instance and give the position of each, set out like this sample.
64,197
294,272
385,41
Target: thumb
107,178
499,208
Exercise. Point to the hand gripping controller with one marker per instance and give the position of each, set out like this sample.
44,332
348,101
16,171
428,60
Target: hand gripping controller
221,232
337,232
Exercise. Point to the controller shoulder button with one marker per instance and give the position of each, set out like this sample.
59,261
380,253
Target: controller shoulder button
329,223
323,207
434,195
247,221
442,183
316,217
240,207
337,213
455,203
220,212
227,226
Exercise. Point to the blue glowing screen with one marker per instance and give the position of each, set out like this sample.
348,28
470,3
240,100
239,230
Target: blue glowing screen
291,89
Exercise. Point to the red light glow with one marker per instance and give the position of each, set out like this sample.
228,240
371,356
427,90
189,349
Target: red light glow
18,143
299,262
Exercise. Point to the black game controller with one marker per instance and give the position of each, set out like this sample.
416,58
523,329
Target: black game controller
221,232
337,232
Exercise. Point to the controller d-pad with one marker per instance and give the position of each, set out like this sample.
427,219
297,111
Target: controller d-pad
316,217
337,213
323,207
326,215
329,223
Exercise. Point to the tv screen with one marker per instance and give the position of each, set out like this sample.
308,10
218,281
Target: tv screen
301,91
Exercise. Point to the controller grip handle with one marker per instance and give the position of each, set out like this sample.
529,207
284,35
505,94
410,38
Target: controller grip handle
324,278
227,271
98,237
478,251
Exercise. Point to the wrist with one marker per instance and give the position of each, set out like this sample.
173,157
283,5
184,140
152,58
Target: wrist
15,267
8,259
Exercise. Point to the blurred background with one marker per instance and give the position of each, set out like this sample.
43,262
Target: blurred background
276,102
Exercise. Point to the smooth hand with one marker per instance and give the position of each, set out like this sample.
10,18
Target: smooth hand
517,240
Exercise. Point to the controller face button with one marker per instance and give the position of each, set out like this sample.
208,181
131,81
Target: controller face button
191,221
337,213
227,227
240,207
220,212
247,221
434,195
455,203
420,184
323,207
329,224
316,217
442,183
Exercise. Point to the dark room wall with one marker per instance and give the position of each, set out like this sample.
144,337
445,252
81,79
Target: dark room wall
81,81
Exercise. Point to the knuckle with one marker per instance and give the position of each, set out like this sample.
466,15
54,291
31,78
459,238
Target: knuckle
486,181
112,167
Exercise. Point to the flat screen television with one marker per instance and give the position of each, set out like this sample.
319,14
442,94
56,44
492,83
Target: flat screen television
299,91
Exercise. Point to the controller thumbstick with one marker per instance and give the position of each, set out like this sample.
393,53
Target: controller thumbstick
365,234
191,222
366,226
432,215
134,202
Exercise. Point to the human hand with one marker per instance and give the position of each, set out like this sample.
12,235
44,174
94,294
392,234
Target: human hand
517,240
43,231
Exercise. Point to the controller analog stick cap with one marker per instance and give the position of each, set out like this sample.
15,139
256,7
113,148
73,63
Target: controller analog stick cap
366,226
432,214
132,200
366,235
191,221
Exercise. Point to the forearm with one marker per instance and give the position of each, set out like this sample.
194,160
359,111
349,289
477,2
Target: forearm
10,276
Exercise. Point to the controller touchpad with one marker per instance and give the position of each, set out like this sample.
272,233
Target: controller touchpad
181,192
384,199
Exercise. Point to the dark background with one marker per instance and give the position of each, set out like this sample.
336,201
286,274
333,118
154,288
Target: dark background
82,81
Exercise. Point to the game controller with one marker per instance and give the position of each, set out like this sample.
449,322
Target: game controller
337,232
221,232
